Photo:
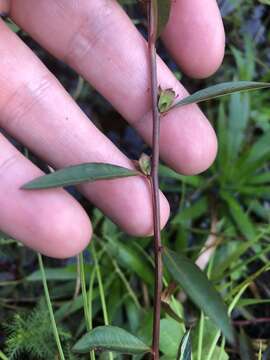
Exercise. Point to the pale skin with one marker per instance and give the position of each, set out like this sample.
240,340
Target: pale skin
98,40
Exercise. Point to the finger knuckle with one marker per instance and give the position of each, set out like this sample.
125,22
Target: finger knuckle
23,99
7,163
89,33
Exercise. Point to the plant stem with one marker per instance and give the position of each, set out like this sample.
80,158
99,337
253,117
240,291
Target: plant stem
152,35
90,300
87,313
49,304
101,291
84,293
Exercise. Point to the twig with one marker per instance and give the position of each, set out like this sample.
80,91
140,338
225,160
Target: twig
152,35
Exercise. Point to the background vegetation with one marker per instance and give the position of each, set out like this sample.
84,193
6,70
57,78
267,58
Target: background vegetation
223,213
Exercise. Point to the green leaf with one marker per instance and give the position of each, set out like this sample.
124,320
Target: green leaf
239,115
111,338
199,289
185,347
171,332
210,335
193,212
130,258
62,274
194,181
241,219
219,90
163,10
79,173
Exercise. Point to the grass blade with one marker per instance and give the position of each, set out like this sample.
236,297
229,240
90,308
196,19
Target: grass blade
242,220
77,174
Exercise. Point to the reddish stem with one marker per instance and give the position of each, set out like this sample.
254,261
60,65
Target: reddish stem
152,34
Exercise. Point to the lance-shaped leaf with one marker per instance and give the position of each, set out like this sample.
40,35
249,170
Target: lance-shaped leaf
163,14
110,338
201,291
77,174
219,90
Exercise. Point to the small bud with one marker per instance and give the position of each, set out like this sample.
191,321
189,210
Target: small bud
145,164
165,99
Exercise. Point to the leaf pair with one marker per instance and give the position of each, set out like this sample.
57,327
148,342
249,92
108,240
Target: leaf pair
100,171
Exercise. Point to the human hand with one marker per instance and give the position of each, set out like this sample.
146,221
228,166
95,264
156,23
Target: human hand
99,41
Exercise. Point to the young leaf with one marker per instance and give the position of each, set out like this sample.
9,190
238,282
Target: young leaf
185,347
111,338
219,90
163,11
79,173
199,289
145,164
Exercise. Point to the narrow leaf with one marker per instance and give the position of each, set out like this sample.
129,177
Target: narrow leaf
56,274
199,289
219,90
77,174
185,347
110,338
